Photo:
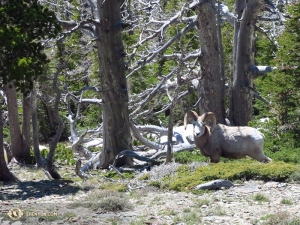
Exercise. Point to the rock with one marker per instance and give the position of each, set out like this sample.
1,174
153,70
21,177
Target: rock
248,188
17,223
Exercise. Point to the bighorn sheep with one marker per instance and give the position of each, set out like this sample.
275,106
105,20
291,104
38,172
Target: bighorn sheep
216,140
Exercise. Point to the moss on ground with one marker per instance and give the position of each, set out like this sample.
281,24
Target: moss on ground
245,169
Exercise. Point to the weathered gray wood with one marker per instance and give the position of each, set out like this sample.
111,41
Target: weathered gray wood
212,83
214,185
260,70
241,102
113,83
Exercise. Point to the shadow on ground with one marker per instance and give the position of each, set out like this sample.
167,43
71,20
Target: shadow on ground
37,189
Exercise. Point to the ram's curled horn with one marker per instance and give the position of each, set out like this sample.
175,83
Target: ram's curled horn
189,114
209,119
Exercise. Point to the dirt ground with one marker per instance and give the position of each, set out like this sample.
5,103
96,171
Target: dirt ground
41,201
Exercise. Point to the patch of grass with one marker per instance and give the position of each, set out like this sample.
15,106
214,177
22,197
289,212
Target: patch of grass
155,183
113,187
201,202
260,198
281,218
246,169
201,192
186,157
112,174
139,221
114,204
31,174
294,177
138,194
105,200
286,201
217,211
168,212
189,218
156,201
59,217
114,221
145,176
186,210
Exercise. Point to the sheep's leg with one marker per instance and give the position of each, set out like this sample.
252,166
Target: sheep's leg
261,157
258,153
266,159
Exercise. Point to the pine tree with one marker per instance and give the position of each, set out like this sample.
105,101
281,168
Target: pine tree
21,53
285,81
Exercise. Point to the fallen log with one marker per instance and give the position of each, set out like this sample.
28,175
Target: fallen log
214,185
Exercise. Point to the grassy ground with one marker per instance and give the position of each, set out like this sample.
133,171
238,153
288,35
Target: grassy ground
163,195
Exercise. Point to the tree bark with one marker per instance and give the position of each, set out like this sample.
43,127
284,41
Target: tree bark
26,118
59,128
35,132
5,174
241,98
19,147
212,82
116,131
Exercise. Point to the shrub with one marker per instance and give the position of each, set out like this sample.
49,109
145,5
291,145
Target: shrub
114,175
188,157
233,170
104,200
282,218
64,154
294,177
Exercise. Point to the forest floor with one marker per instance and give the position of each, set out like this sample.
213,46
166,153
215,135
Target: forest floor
37,200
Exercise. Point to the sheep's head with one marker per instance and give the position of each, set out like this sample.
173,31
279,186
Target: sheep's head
199,122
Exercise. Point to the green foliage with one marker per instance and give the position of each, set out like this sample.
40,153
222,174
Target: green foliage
146,176
156,184
114,187
233,170
76,63
26,22
64,154
186,157
282,85
279,145
114,175
294,177
44,153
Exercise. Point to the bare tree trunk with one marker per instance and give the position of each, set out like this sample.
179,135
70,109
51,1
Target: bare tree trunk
212,82
241,98
26,123
59,129
35,132
19,149
116,131
5,174
170,135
